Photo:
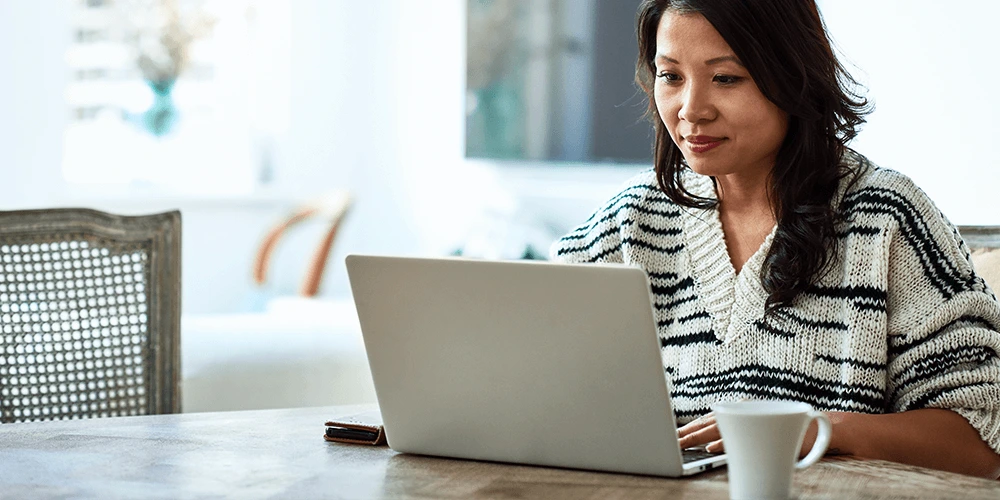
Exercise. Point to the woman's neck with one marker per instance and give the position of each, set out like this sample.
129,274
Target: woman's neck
746,216
744,196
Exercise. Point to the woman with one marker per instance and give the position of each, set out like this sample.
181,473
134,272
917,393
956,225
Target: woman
783,264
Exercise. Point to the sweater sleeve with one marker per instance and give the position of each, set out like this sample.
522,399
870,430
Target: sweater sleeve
943,319
600,237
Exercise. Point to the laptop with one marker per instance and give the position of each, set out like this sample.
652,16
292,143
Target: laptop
519,361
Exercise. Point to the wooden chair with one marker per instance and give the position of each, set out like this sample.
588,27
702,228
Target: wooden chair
89,314
980,237
333,208
984,245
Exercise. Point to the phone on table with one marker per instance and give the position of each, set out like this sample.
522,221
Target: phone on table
345,433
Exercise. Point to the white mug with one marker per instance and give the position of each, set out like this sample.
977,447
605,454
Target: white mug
762,441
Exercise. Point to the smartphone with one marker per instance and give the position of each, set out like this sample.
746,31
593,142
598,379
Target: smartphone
355,434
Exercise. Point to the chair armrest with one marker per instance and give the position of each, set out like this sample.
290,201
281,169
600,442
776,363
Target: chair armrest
332,207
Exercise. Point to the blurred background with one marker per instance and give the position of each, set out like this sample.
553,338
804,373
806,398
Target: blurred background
483,128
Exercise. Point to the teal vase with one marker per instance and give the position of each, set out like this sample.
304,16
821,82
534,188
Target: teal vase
161,117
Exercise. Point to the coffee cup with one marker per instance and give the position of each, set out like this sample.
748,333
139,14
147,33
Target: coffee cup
762,441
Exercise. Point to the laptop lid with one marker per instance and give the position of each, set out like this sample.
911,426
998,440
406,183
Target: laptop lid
525,362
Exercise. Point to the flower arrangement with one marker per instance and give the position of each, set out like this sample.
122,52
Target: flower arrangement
161,35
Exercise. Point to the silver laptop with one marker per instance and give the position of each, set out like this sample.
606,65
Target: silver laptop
525,362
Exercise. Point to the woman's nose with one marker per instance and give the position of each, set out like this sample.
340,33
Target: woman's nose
696,105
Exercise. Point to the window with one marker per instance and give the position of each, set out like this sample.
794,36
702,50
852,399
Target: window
552,80
176,96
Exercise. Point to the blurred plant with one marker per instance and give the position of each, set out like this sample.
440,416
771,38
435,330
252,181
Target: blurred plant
161,35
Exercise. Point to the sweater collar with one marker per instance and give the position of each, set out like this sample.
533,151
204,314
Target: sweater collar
734,300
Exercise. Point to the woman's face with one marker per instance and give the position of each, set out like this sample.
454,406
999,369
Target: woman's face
711,107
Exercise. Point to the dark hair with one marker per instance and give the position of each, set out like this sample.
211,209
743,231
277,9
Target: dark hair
784,46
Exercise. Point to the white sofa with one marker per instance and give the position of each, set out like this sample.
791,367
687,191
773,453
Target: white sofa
299,352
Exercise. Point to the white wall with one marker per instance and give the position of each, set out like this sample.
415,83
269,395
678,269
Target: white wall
32,112
931,69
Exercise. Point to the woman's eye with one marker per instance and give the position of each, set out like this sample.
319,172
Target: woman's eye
668,76
727,80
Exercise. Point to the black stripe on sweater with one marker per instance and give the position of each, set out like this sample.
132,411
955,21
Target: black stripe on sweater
639,192
898,344
786,316
862,297
859,231
669,290
815,323
684,414
682,319
865,365
613,208
634,241
932,396
758,371
868,306
766,328
773,383
610,230
646,228
661,306
662,276
769,393
598,239
584,230
706,337
915,232
600,256
940,364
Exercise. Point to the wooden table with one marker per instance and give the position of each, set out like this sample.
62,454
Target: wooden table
281,453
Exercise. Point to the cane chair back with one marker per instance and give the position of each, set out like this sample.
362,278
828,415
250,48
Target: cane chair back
89,314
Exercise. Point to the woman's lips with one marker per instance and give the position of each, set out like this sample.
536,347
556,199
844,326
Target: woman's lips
703,143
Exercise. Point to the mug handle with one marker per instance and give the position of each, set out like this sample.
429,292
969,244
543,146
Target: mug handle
822,440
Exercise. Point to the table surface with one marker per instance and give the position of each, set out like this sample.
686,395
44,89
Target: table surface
281,453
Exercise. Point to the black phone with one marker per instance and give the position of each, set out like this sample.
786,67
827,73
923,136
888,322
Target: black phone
355,434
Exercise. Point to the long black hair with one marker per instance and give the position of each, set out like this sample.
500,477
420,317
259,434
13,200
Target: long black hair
784,46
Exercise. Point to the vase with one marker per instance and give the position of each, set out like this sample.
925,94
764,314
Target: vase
161,117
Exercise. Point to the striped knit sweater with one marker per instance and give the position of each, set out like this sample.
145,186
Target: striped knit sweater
900,322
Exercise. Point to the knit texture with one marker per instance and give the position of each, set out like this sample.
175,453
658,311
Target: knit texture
900,321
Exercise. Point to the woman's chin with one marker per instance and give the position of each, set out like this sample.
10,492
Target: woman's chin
706,168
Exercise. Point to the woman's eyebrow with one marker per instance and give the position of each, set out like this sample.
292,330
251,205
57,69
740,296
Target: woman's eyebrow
719,60
710,62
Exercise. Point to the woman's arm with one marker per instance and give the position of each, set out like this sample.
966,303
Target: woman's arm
930,437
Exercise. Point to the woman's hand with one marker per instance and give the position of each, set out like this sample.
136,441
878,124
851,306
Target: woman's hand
703,431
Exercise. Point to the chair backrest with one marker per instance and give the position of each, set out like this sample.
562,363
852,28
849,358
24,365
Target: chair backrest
89,314
332,207
984,245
